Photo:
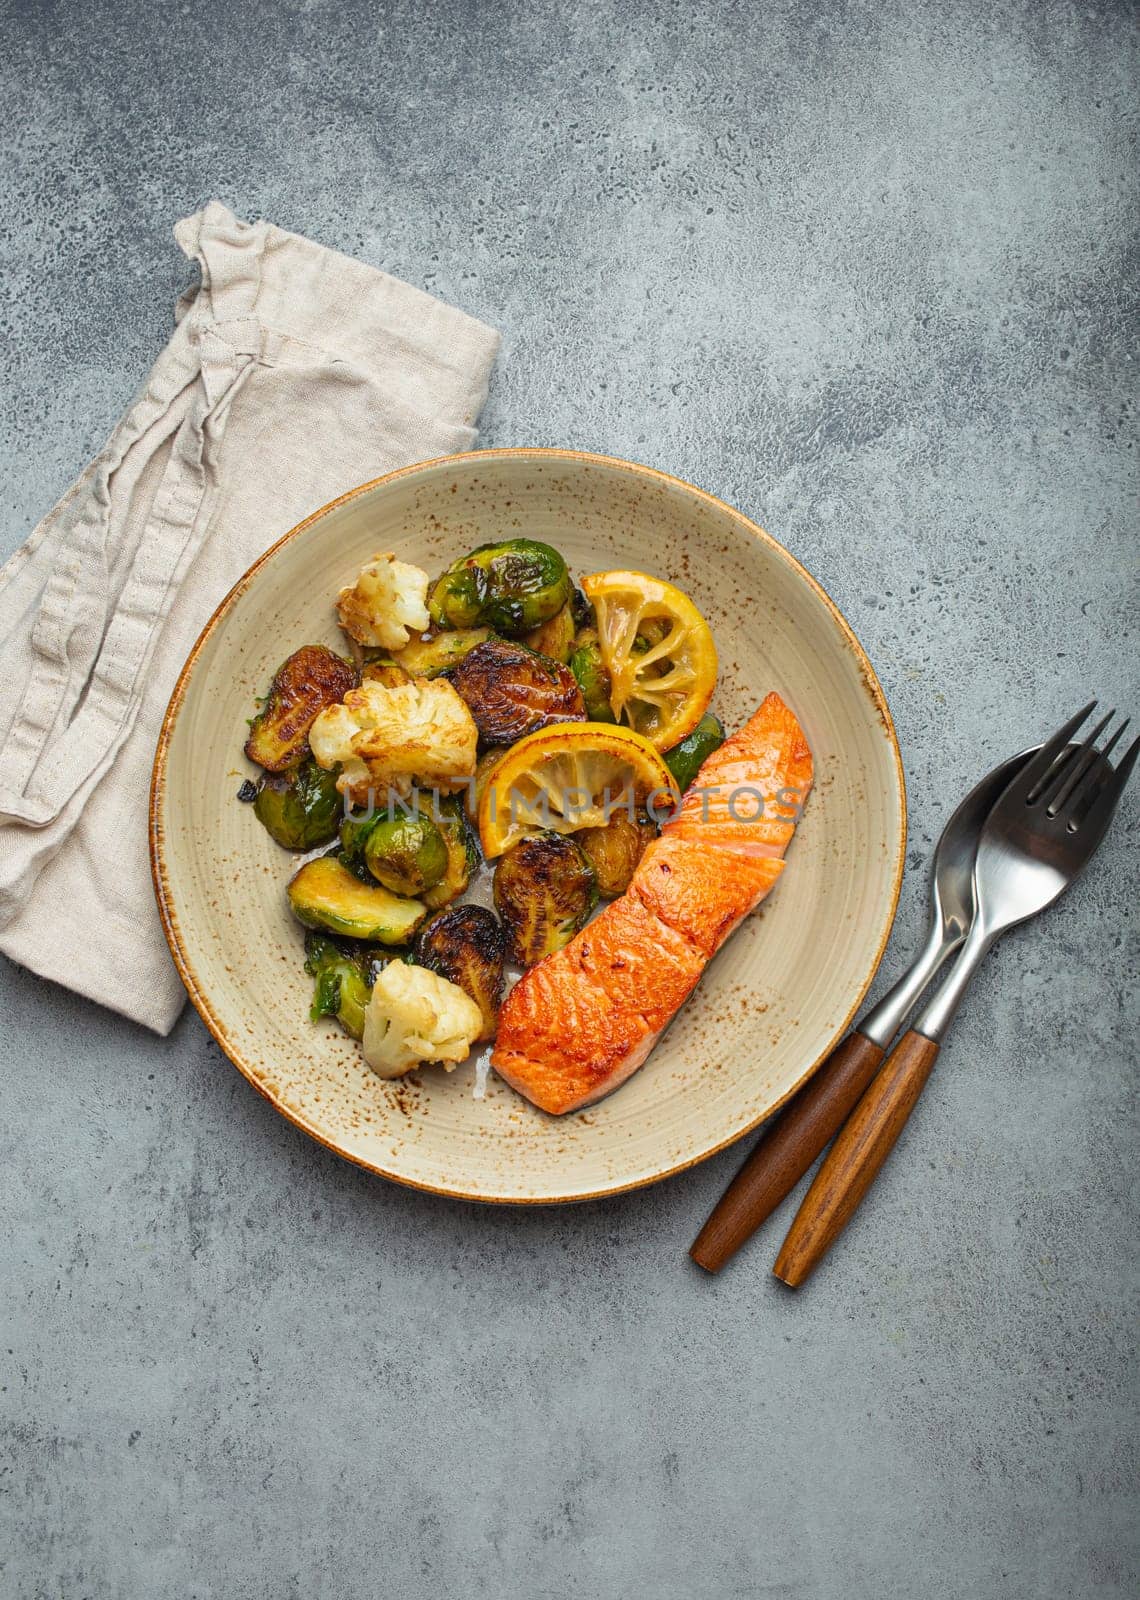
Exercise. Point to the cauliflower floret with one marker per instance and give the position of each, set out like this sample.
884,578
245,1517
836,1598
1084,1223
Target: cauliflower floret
415,1015
330,740
393,736
386,604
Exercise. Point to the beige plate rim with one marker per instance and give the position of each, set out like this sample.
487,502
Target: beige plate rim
173,933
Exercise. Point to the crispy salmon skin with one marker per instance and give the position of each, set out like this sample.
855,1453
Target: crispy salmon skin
580,1023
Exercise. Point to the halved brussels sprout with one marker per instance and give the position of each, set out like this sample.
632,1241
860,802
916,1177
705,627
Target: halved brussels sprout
299,808
311,679
685,759
342,985
465,945
592,676
439,652
325,894
511,587
511,691
544,891
462,851
554,638
615,849
407,854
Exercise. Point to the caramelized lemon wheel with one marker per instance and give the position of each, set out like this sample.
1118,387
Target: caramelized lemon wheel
659,653
574,775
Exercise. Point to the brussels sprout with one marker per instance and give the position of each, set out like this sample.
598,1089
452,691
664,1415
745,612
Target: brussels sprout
325,894
342,983
510,587
615,850
311,679
439,652
462,851
299,808
685,759
379,667
544,891
465,945
554,638
405,853
593,678
511,691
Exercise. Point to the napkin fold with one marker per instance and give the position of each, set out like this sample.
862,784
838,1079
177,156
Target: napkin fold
293,374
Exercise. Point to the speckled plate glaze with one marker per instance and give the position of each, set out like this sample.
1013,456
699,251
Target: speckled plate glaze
772,1002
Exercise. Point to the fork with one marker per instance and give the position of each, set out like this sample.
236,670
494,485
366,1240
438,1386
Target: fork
1039,836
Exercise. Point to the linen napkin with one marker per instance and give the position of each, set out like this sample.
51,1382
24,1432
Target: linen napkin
293,373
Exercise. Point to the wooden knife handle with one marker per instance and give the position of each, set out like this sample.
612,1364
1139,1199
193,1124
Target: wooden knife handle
854,1159
787,1150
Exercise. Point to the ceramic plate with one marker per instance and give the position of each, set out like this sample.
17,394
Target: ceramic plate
771,1003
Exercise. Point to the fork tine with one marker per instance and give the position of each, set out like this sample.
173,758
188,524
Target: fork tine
1034,772
1112,743
1127,762
1071,775
1080,802
1100,812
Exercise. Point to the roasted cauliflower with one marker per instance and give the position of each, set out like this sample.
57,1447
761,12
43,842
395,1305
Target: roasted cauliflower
395,736
414,1015
386,604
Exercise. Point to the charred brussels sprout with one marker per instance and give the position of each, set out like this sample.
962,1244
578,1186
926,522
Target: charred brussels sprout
406,854
341,983
311,679
593,679
439,652
544,891
510,587
462,851
300,808
511,691
615,850
465,945
325,894
554,638
685,759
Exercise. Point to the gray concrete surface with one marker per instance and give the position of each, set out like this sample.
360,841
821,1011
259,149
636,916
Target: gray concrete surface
867,271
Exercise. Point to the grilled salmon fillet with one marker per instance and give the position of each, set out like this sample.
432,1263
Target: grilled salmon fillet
579,1023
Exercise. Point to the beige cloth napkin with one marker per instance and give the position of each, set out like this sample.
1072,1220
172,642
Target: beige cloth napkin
293,374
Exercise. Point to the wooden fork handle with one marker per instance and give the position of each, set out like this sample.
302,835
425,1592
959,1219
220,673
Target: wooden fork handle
853,1161
787,1150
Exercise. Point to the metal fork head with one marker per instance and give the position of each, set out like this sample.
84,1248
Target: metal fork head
1048,823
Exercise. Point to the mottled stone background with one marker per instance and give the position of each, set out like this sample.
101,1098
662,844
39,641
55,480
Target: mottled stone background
867,270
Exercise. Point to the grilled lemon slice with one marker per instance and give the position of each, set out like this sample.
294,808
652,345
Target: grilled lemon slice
659,653
575,775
